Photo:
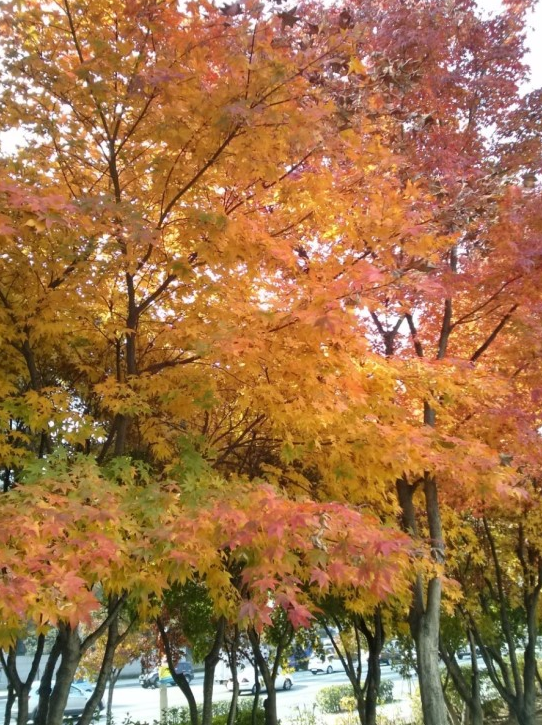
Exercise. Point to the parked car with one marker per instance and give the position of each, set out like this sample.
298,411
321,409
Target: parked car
85,685
389,655
77,700
184,667
324,663
465,652
247,683
150,680
299,659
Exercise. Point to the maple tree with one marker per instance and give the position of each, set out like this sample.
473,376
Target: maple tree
452,282
128,647
272,552
497,561
117,266
88,541
278,244
69,543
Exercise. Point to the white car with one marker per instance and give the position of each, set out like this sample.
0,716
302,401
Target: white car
77,700
326,664
248,684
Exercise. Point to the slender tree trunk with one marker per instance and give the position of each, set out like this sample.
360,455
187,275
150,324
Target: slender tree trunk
256,701
469,692
105,675
211,661
110,692
71,656
452,714
232,657
270,704
17,688
9,704
179,679
45,683
519,690
372,688
424,616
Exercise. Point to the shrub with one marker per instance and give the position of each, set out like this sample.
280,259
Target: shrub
341,698
244,713
329,698
347,704
385,692
181,715
304,716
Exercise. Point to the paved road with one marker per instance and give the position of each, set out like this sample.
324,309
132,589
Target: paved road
131,700
144,705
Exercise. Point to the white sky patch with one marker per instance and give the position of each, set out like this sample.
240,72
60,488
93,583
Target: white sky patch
533,41
11,140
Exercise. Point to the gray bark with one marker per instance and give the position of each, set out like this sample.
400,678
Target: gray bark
179,679
424,615
71,655
211,661
270,703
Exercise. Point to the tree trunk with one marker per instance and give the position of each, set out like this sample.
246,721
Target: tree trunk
45,683
270,702
17,688
105,675
270,709
375,642
475,712
232,712
179,679
372,688
424,615
232,657
9,704
211,661
110,692
71,655
469,692
528,709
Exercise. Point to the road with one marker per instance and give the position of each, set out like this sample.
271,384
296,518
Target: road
144,705
132,701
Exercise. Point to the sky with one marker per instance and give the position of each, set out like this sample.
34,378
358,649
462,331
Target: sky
8,140
534,38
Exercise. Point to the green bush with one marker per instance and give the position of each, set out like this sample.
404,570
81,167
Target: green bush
348,704
385,692
339,698
491,703
244,713
329,698
181,715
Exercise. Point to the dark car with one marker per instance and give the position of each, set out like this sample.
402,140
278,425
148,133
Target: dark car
299,659
390,655
184,668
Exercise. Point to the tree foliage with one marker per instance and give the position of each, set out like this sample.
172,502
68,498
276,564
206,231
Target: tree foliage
268,293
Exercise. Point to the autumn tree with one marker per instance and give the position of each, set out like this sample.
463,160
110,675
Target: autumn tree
128,646
497,559
69,545
279,244
450,274
274,553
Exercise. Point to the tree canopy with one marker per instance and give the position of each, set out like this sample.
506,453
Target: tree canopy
269,306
